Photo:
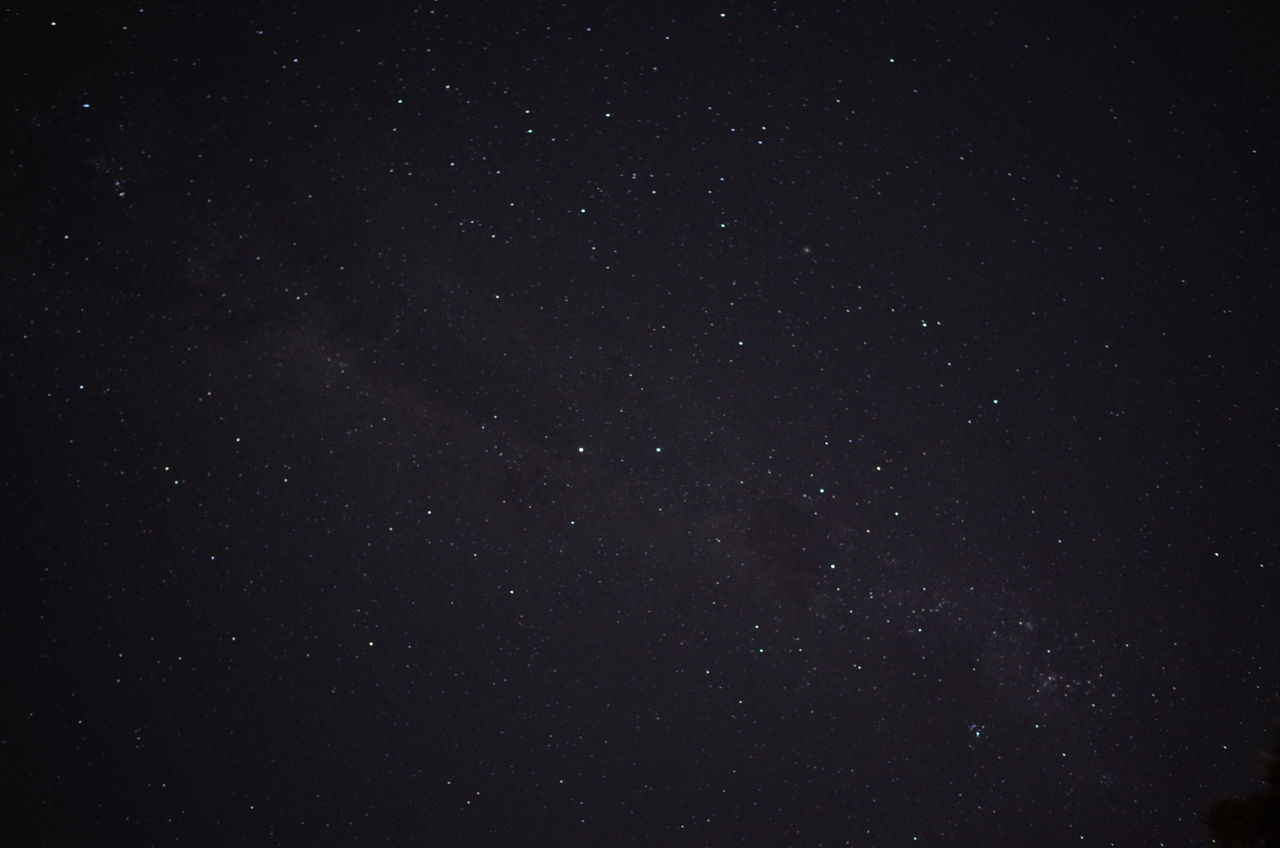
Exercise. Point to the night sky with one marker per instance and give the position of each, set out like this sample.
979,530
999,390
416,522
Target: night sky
644,424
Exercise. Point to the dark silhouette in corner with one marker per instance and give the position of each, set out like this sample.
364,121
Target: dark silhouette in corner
1252,821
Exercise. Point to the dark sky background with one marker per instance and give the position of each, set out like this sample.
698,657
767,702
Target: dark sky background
642,424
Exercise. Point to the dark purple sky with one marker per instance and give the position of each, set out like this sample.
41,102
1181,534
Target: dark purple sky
638,424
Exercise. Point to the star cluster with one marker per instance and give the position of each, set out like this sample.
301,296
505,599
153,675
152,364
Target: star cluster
662,425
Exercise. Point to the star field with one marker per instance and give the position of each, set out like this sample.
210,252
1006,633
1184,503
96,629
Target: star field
480,424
